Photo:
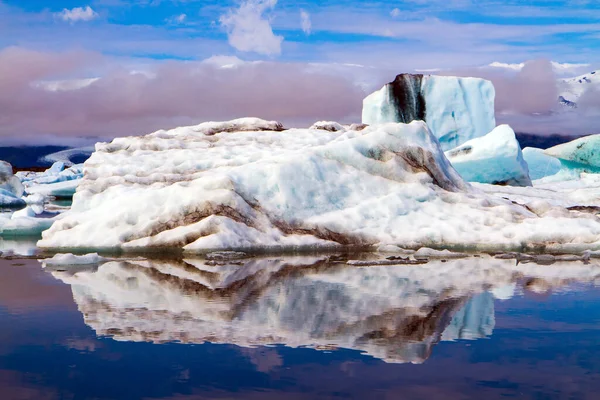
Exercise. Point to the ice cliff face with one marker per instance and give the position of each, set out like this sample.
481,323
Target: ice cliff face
455,109
397,314
211,188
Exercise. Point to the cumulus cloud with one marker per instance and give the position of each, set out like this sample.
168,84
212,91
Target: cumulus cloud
249,29
171,94
305,22
77,14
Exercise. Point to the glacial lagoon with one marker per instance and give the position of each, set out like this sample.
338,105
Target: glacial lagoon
299,327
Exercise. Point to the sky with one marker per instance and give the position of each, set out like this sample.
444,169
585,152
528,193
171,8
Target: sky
103,68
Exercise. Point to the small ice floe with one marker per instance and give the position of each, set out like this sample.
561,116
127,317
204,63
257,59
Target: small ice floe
71,259
426,252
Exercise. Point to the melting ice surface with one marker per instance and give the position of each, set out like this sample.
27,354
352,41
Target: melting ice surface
305,327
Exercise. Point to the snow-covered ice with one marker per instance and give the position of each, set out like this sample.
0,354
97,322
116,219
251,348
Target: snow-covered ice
201,190
495,158
456,109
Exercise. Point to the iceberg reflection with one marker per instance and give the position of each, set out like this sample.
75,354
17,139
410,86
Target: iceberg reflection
394,313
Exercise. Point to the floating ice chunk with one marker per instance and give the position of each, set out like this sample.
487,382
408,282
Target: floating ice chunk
456,109
540,165
36,198
25,212
56,168
24,226
71,259
495,158
9,200
9,182
584,151
299,189
330,126
425,252
64,189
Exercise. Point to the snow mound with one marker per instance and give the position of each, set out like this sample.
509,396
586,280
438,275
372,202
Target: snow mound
583,152
300,189
495,158
540,165
456,109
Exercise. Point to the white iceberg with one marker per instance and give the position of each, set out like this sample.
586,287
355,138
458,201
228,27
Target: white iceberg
71,259
61,189
456,109
495,158
298,189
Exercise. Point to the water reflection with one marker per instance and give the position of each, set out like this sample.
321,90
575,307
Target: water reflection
394,313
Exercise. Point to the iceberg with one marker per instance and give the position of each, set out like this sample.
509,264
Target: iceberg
11,188
61,189
455,109
72,259
201,190
58,172
495,158
540,164
582,153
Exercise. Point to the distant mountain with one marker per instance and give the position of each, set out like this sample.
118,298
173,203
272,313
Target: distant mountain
571,89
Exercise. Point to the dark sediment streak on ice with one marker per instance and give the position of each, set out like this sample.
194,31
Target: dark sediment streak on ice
406,95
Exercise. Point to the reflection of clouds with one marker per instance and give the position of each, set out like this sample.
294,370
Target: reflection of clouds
395,313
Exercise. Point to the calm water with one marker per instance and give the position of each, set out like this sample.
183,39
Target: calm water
299,328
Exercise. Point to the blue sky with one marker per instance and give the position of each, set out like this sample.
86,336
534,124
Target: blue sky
436,34
106,68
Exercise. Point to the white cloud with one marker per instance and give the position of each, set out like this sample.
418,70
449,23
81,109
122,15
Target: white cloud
305,22
249,30
177,19
395,13
77,14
